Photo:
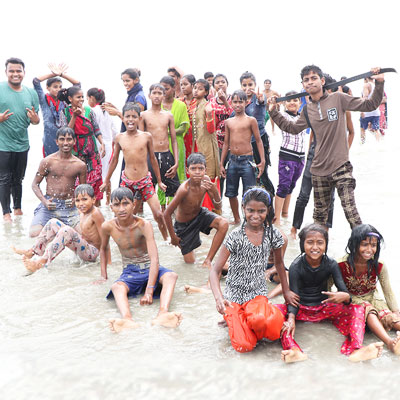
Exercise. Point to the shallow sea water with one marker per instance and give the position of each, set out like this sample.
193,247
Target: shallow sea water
55,341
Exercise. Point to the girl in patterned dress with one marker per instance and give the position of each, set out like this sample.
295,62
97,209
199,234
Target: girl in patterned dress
361,269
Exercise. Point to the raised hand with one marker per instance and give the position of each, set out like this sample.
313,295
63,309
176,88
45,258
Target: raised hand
5,115
32,115
377,76
260,96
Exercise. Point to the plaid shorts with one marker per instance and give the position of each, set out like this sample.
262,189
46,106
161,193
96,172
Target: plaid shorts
341,179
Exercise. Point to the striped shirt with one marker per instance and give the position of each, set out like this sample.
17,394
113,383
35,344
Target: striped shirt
292,146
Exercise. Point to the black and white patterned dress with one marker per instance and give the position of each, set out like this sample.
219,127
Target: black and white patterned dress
246,279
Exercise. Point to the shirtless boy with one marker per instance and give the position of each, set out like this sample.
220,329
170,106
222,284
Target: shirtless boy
161,124
238,133
60,170
191,218
55,235
142,273
136,147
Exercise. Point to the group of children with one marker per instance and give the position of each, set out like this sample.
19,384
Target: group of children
146,143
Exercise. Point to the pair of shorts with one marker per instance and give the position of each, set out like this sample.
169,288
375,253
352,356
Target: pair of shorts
165,161
373,120
289,172
189,232
239,167
68,215
136,279
143,187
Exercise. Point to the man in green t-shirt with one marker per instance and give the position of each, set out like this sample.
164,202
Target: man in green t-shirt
18,109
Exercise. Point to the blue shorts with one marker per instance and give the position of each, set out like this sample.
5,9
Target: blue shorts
239,167
68,215
136,279
373,120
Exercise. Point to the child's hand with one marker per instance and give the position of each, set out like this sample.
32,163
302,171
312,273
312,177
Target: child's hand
289,327
146,299
50,205
105,186
171,172
102,150
272,104
260,96
261,168
222,95
110,108
162,186
77,111
221,305
209,111
176,241
222,171
291,298
336,297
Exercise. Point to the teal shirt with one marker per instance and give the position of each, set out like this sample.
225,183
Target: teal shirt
14,131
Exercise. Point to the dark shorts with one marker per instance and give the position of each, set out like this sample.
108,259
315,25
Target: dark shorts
136,279
189,232
239,167
68,215
373,120
165,161
289,172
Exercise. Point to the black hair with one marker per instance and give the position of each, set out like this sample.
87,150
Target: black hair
328,79
311,68
240,94
64,131
257,193
218,76
98,94
157,86
290,93
345,89
132,72
196,158
205,84
131,107
14,60
358,234
173,70
247,75
50,81
190,78
169,80
122,193
208,74
313,228
64,94
84,188
267,80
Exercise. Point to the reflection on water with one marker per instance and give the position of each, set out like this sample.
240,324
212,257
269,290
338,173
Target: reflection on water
55,341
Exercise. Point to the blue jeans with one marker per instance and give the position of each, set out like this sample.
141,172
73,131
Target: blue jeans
239,167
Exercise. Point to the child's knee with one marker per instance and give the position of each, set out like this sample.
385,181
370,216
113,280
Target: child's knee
171,276
35,230
222,224
189,258
118,287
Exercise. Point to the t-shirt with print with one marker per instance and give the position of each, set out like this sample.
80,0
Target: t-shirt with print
246,279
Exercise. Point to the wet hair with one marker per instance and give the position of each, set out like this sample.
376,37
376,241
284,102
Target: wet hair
64,131
206,85
157,86
219,76
247,75
345,89
64,94
358,234
190,78
267,80
169,80
240,94
133,73
208,74
257,193
131,107
328,79
14,60
313,228
50,81
121,193
174,71
196,158
84,188
311,68
98,94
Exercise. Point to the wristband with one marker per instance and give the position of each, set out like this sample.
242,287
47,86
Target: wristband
151,287
217,202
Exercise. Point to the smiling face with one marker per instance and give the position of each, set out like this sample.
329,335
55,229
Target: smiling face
313,83
122,209
65,143
131,120
368,248
255,213
314,246
84,203
15,74
292,105
248,86
129,82
77,99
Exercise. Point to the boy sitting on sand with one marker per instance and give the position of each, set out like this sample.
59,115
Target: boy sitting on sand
55,235
142,273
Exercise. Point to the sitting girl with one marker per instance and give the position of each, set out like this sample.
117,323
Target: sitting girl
361,269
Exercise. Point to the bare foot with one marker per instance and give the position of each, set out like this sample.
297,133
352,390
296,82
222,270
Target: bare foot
168,319
26,253
18,211
235,222
373,350
222,324
285,214
195,289
7,218
34,265
394,346
122,324
206,264
293,233
293,355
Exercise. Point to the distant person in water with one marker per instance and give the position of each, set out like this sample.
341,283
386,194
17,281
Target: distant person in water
142,273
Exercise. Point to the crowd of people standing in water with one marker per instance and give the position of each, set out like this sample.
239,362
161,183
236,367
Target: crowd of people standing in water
196,142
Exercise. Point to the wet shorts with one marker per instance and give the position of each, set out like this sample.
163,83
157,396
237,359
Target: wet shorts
68,215
374,121
189,232
136,276
143,186
165,161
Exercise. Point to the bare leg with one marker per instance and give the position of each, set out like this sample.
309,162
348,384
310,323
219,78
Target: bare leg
362,131
293,355
379,331
165,317
26,253
221,225
120,292
189,258
35,230
373,350
293,233
34,265
285,208
278,209
158,215
233,201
